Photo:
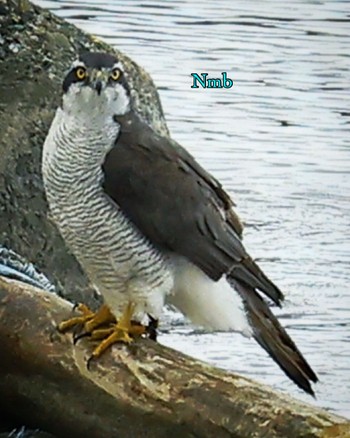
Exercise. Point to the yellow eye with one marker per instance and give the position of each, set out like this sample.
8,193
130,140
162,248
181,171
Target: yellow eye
80,73
116,74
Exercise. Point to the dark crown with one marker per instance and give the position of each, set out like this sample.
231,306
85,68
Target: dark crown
98,60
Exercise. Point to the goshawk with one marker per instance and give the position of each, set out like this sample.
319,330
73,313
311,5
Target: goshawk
148,224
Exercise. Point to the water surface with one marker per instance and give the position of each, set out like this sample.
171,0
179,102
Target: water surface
279,142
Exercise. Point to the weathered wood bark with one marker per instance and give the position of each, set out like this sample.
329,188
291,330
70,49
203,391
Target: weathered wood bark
145,390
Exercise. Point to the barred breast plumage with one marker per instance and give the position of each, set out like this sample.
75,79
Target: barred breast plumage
119,261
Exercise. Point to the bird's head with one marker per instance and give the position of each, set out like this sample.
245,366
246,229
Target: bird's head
96,83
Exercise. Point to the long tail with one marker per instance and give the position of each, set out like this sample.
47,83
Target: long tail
269,333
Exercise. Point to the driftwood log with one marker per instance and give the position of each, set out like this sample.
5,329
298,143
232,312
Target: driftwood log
142,390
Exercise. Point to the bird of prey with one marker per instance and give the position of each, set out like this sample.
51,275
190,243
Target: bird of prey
148,224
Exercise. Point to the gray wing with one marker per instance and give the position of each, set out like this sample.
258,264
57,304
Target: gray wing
177,205
181,208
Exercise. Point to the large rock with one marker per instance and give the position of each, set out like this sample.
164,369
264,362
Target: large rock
36,48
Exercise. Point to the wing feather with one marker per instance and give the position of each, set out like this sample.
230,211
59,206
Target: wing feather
181,208
270,334
178,205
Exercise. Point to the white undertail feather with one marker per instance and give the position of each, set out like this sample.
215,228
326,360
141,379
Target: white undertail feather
206,303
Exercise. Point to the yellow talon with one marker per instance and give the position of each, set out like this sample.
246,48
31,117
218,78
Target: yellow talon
103,317
102,333
117,335
120,332
102,325
89,320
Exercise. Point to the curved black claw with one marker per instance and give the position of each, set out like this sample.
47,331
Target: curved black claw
89,361
152,328
57,327
75,306
78,336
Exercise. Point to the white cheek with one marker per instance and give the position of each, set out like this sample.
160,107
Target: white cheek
119,100
81,101
72,99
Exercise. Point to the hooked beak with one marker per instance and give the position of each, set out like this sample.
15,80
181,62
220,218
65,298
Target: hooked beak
98,86
98,80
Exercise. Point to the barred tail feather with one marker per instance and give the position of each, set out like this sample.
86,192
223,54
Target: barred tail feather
269,333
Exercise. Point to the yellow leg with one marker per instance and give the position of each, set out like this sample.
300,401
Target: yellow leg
136,330
122,331
89,320
102,325
102,317
102,333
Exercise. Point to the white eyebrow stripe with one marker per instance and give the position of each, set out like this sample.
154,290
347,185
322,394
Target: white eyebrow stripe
118,65
78,63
